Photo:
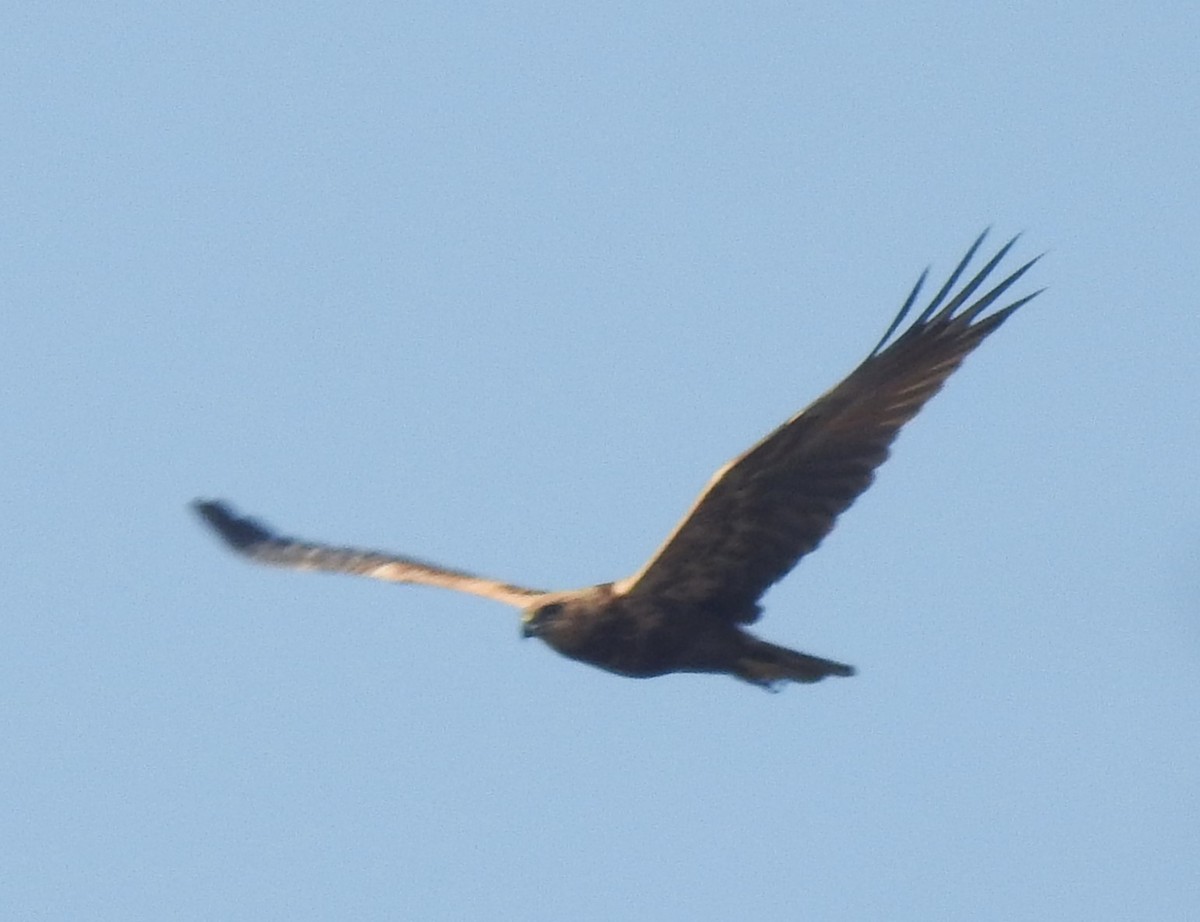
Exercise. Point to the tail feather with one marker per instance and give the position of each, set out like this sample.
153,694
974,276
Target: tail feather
769,665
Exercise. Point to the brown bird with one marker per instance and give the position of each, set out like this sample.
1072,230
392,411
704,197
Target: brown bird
684,610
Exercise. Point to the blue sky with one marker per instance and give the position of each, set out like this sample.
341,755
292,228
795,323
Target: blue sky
501,287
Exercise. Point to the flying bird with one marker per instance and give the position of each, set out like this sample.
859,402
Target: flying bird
687,608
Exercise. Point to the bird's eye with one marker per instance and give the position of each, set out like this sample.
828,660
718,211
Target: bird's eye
549,611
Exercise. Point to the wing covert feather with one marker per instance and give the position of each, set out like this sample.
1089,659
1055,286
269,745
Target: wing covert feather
255,541
766,509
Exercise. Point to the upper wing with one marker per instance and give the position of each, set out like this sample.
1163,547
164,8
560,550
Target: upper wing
765,510
251,539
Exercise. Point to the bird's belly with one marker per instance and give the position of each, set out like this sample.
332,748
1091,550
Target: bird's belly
646,644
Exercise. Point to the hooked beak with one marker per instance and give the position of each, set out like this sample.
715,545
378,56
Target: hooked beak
529,625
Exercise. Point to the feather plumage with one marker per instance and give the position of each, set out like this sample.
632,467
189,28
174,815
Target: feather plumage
758,516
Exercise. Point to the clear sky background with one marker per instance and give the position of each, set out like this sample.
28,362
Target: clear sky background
500,286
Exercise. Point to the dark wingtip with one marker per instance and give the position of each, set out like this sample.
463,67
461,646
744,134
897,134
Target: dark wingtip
237,531
904,309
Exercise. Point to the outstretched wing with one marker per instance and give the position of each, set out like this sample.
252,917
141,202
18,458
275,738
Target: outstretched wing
252,539
765,510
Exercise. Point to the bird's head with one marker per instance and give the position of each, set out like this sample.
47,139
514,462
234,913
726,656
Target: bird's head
538,617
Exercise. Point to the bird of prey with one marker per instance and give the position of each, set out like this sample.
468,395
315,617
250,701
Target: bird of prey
686,609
